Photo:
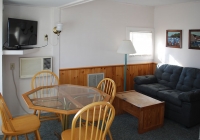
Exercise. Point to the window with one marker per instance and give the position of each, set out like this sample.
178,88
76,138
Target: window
142,39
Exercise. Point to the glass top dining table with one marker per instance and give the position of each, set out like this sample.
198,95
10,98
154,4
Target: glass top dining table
63,99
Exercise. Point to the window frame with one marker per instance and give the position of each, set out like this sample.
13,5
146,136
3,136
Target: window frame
147,30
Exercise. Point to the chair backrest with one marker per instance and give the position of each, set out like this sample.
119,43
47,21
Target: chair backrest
98,128
6,108
5,116
44,78
108,86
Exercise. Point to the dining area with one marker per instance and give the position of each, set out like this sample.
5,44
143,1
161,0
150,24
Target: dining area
91,108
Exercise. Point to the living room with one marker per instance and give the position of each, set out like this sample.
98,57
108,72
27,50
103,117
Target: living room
91,34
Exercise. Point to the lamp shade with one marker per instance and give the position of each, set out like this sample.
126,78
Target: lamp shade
126,47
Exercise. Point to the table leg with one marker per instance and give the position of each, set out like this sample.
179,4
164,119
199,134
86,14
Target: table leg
65,125
65,122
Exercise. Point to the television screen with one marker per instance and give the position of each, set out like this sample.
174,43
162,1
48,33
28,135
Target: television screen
21,33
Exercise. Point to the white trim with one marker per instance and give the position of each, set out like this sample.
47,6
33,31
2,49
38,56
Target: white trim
75,3
27,5
71,4
20,52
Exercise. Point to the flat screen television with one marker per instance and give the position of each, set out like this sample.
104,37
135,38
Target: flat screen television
21,33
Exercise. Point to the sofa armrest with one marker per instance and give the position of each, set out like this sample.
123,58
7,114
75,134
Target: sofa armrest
147,79
190,96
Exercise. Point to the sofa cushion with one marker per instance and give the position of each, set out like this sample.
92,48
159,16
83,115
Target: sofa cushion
189,79
151,89
146,79
190,96
168,75
170,96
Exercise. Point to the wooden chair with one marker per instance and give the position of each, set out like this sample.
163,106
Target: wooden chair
19,125
45,78
96,130
108,86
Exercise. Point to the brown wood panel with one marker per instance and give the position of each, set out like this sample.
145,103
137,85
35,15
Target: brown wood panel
154,65
117,103
119,78
78,76
81,77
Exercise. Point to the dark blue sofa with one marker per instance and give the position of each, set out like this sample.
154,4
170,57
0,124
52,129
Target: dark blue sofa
179,87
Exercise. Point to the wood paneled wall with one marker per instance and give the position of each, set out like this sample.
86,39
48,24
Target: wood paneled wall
78,76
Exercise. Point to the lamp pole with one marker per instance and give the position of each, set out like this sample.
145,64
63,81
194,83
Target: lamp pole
126,47
125,72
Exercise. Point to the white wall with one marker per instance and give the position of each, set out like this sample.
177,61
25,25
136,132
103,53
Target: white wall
1,11
56,41
91,35
93,32
44,17
183,17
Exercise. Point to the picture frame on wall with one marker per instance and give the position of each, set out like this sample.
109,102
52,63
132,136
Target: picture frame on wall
174,38
194,39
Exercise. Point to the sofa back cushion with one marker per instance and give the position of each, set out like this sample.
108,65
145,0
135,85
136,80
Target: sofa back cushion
168,75
189,79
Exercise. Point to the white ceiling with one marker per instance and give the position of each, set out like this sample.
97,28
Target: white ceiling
60,3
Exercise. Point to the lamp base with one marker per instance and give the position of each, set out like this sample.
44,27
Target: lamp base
125,69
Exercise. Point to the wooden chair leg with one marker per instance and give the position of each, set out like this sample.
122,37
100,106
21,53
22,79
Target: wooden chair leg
110,135
26,136
4,137
16,137
35,111
60,117
10,138
37,135
39,114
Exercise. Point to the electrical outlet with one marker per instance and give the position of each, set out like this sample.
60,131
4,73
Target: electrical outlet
12,66
45,37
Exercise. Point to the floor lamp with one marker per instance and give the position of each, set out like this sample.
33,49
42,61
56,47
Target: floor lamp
126,47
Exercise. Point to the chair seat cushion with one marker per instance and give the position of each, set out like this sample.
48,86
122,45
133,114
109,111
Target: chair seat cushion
23,124
66,135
